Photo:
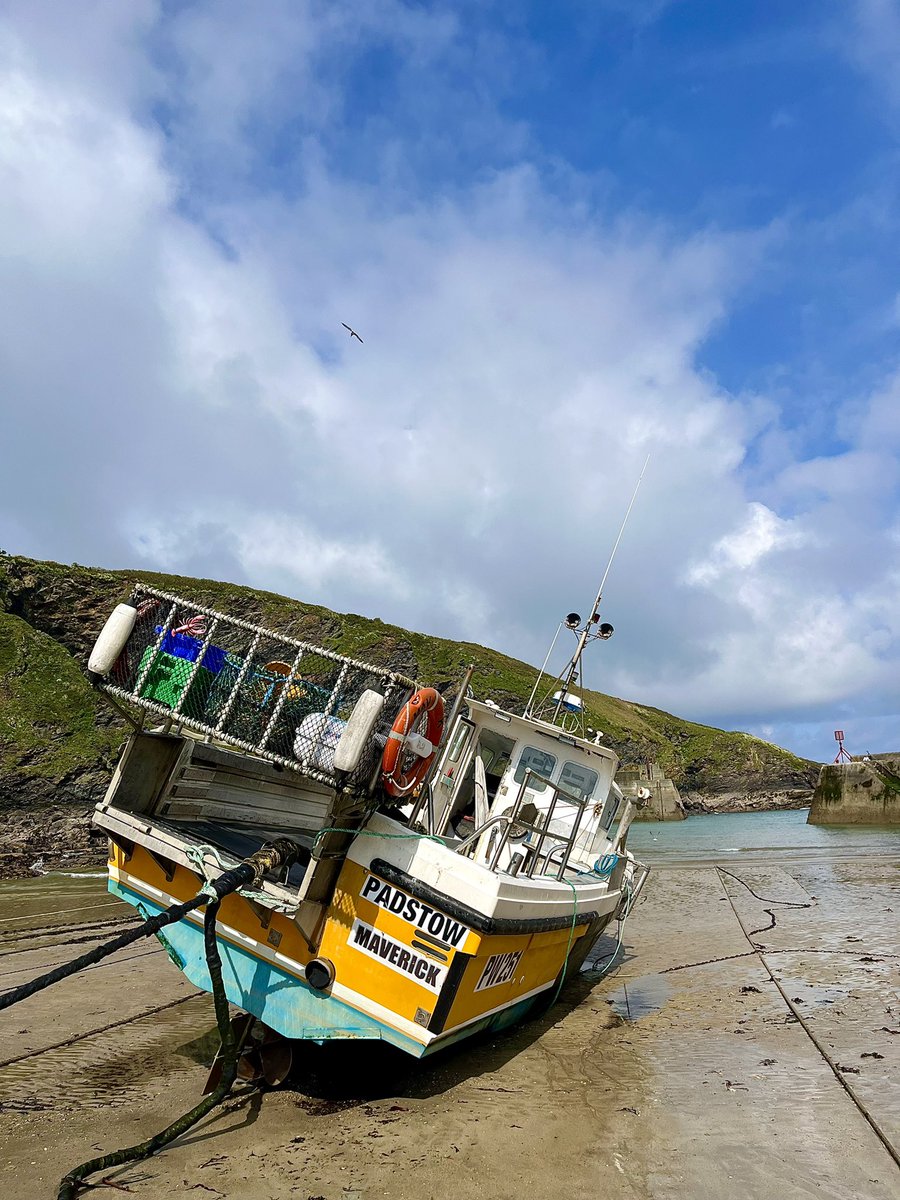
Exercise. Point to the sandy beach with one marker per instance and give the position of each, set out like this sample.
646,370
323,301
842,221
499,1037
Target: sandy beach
686,1073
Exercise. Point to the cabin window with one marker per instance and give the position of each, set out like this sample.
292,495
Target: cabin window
459,740
578,780
538,761
610,808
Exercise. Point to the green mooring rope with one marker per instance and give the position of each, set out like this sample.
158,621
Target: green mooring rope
562,974
71,1184
626,909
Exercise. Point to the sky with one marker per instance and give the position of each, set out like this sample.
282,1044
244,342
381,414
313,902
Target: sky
570,236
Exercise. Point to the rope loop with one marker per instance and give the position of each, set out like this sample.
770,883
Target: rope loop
605,866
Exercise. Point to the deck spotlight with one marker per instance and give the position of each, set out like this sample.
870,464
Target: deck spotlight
605,631
573,620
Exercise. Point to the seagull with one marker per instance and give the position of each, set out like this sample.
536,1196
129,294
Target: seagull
352,332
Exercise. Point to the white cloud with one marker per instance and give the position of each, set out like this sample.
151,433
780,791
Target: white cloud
273,546
177,386
762,532
67,163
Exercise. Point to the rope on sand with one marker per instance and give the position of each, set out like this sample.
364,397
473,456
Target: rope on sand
80,1037
70,1183
804,1024
249,873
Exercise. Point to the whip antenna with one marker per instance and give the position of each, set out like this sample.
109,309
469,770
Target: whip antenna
621,531
589,632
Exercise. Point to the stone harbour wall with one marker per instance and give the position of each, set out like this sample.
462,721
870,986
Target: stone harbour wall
665,801
865,791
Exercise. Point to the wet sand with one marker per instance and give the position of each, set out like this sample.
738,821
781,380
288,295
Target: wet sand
675,1077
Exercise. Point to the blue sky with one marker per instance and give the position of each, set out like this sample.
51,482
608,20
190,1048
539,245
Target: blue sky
570,235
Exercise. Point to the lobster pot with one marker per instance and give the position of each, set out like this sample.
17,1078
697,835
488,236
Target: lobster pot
245,706
243,685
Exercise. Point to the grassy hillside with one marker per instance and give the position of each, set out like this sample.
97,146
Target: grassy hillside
51,725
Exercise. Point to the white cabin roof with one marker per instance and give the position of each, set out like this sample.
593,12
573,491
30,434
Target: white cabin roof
530,729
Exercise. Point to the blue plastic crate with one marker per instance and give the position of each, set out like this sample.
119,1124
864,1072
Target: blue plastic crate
182,645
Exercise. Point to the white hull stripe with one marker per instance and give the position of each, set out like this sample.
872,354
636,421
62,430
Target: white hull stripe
231,934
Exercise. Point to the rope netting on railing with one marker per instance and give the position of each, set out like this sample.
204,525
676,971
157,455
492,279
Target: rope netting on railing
263,692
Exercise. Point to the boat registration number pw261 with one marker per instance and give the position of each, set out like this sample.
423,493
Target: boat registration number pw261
498,969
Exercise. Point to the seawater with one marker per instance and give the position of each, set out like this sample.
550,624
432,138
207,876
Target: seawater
757,837
57,898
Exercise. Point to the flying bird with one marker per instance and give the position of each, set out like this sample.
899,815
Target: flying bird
352,332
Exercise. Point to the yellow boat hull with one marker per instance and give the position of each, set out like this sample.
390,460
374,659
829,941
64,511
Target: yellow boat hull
406,969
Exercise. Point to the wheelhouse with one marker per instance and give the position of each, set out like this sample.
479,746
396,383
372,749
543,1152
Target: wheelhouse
526,794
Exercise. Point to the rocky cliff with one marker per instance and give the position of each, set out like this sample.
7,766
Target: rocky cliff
58,740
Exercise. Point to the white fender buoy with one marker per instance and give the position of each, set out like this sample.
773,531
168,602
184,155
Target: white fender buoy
113,636
358,730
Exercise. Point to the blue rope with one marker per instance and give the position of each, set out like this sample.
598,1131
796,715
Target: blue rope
605,866
601,869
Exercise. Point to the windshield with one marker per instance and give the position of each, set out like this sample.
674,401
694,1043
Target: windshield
540,762
578,780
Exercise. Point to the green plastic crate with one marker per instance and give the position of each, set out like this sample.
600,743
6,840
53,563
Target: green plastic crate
167,679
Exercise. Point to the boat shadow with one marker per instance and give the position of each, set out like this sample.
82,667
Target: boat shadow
343,1074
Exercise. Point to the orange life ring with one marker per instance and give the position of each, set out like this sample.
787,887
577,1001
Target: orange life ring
426,700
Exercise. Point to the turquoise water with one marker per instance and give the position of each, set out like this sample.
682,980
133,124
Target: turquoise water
743,837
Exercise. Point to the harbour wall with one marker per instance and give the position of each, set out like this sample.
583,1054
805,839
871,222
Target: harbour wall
665,801
865,791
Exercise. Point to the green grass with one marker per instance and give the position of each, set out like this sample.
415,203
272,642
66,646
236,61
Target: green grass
48,711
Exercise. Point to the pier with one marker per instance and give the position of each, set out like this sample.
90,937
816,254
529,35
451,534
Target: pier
860,791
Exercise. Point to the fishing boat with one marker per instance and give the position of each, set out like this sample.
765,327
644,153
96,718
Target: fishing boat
452,864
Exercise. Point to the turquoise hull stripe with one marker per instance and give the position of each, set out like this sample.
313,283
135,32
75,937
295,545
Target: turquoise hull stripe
281,1000
493,1024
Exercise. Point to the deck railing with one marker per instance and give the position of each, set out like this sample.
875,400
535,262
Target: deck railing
539,828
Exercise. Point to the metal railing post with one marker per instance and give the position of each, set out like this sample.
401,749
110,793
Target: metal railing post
163,634
197,664
514,812
238,684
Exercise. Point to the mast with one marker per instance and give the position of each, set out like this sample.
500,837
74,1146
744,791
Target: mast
592,630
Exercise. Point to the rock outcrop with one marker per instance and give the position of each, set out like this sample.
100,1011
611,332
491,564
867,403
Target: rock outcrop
755,797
